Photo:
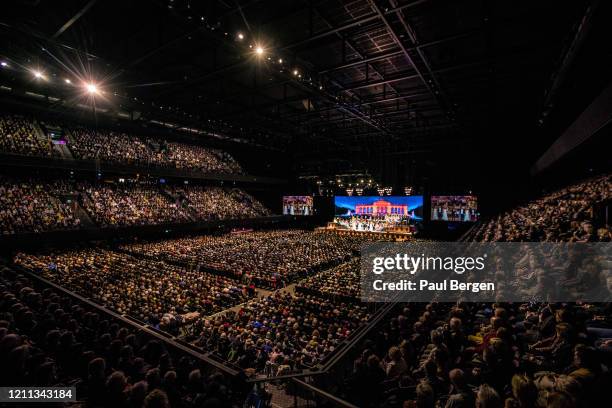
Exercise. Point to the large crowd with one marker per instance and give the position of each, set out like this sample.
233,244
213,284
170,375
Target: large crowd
155,292
21,135
565,215
124,205
38,205
486,355
109,146
48,339
268,258
513,355
282,332
271,334
185,156
18,136
425,355
206,203
29,205
339,282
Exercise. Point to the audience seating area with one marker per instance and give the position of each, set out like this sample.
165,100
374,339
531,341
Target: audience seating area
121,205
155,292
501,354
566,215
218,203
38,205
29,205
268,258
270,334
472,354
282,332
421,355
21,135
48,338
18,135
339,282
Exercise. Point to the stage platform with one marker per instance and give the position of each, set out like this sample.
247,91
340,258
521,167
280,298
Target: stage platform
401,233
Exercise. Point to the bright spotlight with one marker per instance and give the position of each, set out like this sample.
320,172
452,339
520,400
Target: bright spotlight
240,36
91,88
280,60
259,51
67,81
4,64
295,72
38,75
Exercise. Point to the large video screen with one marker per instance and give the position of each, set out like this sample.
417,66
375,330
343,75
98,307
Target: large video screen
374,213
297,205
454,208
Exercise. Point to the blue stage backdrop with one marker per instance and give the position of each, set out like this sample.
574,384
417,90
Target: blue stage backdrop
378,206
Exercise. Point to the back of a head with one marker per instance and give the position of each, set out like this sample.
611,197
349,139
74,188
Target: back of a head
501,313
559,400
455,323
138,391
431,368
524,390
585,357
425,395
116,382
436,337
373,361
487,397
457,377
96,367
156,399
395,354
569,386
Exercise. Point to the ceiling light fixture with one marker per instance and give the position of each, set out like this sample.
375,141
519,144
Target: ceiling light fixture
91,88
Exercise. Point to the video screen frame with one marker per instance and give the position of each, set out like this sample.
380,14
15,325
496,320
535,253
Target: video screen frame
377,213
454,208
298,205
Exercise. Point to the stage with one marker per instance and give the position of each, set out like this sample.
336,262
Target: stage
397,233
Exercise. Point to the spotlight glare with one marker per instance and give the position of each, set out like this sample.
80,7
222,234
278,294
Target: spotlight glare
91,88
240,36
67,81
38,75
4,64
295,72
259,50
280,60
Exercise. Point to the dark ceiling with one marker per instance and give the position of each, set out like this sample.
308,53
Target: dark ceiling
415,87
